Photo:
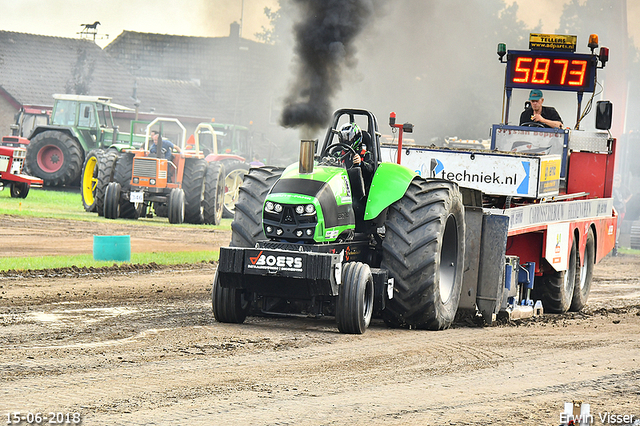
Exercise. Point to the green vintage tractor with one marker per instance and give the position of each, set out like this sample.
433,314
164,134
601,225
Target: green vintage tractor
317,239
79,124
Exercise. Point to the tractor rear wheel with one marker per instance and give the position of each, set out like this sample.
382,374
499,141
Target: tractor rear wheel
176,206
229,304
354,306
246,227
112,201
89,179
583,281
423,250
556,289
122,175
236,171
55,157
106,171
193,185
19,189
214,193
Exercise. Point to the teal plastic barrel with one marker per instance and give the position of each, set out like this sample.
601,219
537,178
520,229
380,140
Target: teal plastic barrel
112,247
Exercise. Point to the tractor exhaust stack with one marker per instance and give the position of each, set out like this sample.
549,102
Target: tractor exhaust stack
307,150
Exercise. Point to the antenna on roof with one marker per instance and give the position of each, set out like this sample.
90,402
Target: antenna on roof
90,31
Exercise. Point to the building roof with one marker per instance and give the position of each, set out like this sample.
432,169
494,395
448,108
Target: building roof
34,67
236,73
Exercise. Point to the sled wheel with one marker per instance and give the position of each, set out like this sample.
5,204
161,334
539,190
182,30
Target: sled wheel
354,306
423,250
556,289
89,180
176,206
229,304
583,281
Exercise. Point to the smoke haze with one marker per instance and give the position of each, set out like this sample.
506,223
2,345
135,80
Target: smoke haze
324,48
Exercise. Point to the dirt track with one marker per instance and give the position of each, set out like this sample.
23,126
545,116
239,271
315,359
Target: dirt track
142,347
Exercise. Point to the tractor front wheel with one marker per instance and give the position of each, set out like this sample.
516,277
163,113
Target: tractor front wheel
214,193
106,170
423,250
122,175
19,189
354,306
236,172
89,179
112,201
176,206
230,305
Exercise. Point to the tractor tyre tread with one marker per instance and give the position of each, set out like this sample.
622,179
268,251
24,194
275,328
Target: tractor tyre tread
73,157
246,227
193,186
417,225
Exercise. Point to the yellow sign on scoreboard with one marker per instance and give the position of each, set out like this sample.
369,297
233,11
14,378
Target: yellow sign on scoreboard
562,42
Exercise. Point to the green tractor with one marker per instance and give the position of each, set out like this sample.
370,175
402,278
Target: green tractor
79,124
317,239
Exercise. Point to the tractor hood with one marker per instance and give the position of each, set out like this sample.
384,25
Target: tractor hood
309,207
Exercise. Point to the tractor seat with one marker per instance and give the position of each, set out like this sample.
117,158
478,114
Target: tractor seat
366,139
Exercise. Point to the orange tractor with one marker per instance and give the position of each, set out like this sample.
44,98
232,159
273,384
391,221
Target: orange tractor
183,187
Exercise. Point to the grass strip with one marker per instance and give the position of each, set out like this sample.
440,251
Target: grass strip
86,260
68,205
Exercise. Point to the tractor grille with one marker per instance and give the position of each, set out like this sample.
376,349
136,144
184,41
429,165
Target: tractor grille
145,167
17,165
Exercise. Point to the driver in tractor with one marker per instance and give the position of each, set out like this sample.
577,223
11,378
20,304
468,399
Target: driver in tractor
166,149
351,135
167,146
539,115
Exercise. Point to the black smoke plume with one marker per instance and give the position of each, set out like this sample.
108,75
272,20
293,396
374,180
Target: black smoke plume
324,47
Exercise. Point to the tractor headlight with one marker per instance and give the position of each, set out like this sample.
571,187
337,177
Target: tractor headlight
299,233
268,206
309,232
279,231
136,180
152,181
299,209
310,208
277,207
269,229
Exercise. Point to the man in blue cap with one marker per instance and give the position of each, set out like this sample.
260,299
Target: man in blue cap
545,116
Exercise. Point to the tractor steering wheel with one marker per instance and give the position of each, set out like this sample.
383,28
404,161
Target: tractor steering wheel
342,146
532,124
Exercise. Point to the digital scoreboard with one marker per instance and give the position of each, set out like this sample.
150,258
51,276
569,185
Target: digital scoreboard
550,70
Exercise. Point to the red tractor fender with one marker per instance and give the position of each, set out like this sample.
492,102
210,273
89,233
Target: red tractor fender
222,157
